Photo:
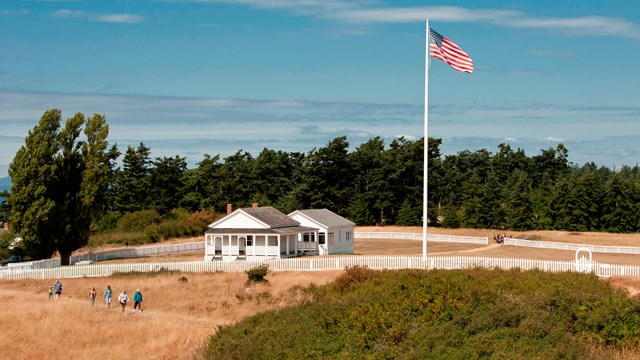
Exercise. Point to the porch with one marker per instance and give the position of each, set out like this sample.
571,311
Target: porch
253,244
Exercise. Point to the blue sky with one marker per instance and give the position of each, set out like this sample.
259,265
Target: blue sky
216,76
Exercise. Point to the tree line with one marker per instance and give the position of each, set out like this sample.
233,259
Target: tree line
65,187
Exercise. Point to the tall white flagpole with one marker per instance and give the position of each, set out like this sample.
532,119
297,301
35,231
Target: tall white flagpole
425,185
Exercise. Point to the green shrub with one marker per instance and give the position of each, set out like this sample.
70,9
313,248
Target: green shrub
150,227
351,276
138,220
440,314
257,274
108,222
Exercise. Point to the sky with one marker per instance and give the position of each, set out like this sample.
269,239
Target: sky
195,77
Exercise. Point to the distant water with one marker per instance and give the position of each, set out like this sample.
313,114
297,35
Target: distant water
5,183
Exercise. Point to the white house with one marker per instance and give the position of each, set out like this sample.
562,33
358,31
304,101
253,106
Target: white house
335,235
258,233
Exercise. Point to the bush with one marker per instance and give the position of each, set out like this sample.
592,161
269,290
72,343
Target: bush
108,222
151,228
351,276
138,220
440,314
257,274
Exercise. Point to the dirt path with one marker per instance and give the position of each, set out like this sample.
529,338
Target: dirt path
468,251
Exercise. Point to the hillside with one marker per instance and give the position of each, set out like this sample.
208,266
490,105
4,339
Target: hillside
443,315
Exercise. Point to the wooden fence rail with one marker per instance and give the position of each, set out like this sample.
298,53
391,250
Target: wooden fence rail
416,236
324,263
573,247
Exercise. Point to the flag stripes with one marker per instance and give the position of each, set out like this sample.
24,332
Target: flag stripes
446,50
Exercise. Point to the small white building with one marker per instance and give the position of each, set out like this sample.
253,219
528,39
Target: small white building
258,233
335,235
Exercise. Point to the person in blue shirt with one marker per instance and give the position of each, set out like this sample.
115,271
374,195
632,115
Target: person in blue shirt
108,294
57,288
137,300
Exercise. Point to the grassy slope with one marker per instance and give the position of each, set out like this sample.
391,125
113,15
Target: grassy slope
444,315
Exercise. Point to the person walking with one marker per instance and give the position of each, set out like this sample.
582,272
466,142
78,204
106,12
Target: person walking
57,287
123,298
137,300
108,294
50,292
92,295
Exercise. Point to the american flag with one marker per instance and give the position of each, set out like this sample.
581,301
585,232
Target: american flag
446,50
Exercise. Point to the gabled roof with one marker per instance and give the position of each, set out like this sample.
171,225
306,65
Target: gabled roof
267,217
271,216
325,217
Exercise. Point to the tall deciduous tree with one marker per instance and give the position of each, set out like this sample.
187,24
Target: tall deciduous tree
59,184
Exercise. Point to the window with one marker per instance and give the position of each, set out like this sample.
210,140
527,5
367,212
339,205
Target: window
321,239
348,235
249,240
332,238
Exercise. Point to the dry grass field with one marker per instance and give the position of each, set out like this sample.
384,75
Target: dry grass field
179,316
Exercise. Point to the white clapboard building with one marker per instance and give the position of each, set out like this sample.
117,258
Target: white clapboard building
335,233
258,233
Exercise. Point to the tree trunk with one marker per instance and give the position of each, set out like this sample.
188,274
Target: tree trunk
64,258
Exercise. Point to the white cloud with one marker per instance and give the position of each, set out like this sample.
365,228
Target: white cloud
14,12
554,139
118,18
65,13
370,12
110,18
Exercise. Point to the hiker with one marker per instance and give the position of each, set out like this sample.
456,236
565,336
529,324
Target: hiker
92,295
108,294
50,292
57,287
123,299
137,300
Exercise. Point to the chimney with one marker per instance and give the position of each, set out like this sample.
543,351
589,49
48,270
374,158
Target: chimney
254,205
229,208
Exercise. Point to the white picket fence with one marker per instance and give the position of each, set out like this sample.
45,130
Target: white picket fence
508,241
126,253
325,263
573,247
416,236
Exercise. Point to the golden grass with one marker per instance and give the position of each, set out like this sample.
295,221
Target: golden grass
178,317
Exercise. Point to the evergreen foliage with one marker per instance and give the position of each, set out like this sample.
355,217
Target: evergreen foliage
373,184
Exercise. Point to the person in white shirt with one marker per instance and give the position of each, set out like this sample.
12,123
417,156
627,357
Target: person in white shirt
123,298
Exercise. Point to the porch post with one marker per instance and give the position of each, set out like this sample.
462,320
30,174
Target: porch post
253,246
